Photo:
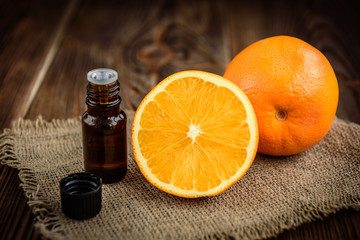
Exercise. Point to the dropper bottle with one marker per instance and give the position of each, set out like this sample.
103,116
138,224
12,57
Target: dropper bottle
104,127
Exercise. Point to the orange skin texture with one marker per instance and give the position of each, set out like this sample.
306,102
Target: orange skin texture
293,89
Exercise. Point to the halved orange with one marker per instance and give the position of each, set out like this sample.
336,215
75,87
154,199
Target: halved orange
195,134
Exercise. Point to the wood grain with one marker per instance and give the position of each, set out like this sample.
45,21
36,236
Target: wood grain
145,41
25,43
16,217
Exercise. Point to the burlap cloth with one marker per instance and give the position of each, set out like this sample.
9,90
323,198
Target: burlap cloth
275,194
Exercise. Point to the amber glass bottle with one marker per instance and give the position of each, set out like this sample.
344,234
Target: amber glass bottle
104,127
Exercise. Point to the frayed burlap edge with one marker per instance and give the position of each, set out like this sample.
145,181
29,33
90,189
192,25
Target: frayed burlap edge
48,224
46,221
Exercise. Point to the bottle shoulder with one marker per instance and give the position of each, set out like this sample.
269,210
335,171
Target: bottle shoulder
105,122
120,115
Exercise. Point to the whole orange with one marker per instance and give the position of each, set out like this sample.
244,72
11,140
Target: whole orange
293,89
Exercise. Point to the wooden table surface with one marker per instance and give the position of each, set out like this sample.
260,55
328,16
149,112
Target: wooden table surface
47,47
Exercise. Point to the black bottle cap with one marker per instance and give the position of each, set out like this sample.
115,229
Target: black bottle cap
81,195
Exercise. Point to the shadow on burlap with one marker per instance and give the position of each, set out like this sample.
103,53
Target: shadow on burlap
274,195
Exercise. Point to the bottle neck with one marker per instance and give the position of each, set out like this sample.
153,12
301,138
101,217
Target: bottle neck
103,100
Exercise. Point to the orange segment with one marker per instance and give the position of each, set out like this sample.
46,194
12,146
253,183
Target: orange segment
195,134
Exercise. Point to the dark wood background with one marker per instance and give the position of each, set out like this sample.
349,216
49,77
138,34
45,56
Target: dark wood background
47,47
